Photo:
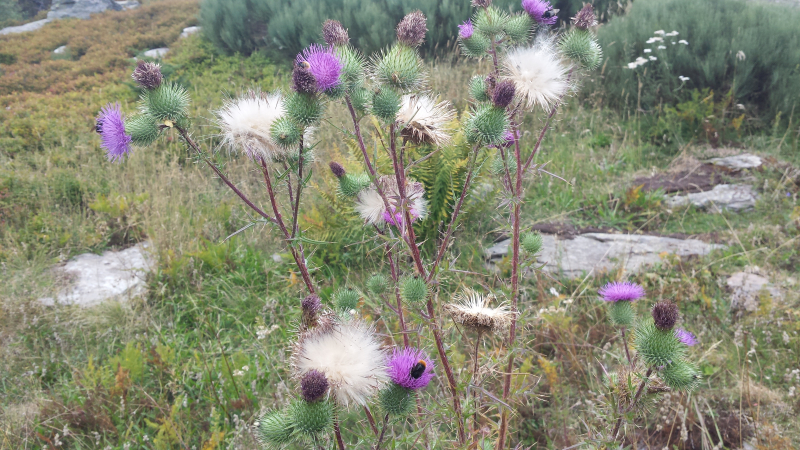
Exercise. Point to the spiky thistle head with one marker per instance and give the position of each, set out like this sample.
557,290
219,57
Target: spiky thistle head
503,93
410,367
665,315
334,33
323,64
487,124
337,169
246,124
346,300
616,291
472,309
350,355
147,74
111,127
313,385
541,11
274,429
310,307
411,30
585,18
414,290
538,73
377,284
424,120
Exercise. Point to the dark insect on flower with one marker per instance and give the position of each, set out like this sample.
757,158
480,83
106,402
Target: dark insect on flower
418,369
305,65
302,78
98,126
550,13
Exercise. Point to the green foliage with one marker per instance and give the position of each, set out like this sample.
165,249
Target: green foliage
235,26
717,31
656,347
10,14
498,168
397,400
621,313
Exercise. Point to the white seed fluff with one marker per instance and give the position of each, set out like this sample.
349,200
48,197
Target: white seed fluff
425,120
538,73
246,122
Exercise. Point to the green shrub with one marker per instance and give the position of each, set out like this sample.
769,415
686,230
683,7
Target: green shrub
10,13
731,45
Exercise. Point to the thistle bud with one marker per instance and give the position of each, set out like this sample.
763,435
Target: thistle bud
377,284
285,132
621,313
274,429
311,418
657,348
337,169
487,125
503,93
302,79
311,306
397,400
414,290
531,242
142,129
334,33
477,89
585,18
481,3
665,315
313,385
681,376
303,109
147,75
351,184
411,30
346,300
169,101
386,104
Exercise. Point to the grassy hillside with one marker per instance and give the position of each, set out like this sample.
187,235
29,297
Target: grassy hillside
194,362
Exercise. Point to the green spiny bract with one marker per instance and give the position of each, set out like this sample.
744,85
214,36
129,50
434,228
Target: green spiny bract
352,66
621,313
490,21
497,167
337,92
487,125
274,429
531,242
377,284
285,132
656,347
681,375
386,104
143,129
414,290
475,46
397,400
477,89
580,46
351,184
346,299
518,28
170,101
361,99
304,109
399,68
311,418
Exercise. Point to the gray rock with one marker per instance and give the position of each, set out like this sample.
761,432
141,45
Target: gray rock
723,197
60,50
598,252
94,279
738,162
128,4
747,290
156,53
81,9
30,26
188,31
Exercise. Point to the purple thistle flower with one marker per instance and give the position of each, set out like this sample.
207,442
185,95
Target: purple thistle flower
616,291
541,11
508,140
111,127
396,217
466,29
411,368
323,64
686,337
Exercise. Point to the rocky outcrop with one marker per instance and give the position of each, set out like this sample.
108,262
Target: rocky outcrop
730,197
30,26
81,9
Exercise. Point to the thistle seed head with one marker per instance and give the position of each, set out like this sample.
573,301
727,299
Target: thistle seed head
411,30
334,33
665,315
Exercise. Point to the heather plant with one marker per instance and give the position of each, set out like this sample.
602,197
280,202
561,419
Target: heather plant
338,360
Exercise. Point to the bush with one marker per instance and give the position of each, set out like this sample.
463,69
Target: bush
288,26
10,13
731,45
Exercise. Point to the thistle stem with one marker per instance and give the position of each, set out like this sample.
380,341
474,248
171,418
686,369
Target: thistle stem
371,420
545,128
627,351
338,433
395,278
451,379
640,391
296,206
383,432
475,396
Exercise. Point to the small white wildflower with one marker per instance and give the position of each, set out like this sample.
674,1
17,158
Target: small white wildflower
554,291
683,41
653,58
672,33
739,55
648,50
662,47
683,78
245,368
654,40
785,338
659,32
632,65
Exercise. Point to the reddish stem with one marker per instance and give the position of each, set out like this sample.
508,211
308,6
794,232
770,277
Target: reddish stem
395,278
451,379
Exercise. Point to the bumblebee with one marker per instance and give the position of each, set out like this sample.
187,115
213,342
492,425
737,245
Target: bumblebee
550,13
304,65
418,369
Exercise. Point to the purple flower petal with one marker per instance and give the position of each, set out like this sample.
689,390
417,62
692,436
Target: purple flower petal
323,64
465,30
686,337
111,127
616,291
404,368
538,9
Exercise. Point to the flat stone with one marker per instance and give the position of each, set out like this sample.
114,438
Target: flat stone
599,252
30,26
156,53
738,162
128,4
60,50
81,9
747,289
188,31
731,197
112,276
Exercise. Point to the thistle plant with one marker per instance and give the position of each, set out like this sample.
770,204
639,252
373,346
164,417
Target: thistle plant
339,362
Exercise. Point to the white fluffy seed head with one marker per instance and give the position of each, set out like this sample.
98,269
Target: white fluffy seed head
246,122
425,120
471,309
370,205
350,355
538,72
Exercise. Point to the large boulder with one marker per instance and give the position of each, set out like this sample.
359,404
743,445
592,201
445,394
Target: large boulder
730,197
81,9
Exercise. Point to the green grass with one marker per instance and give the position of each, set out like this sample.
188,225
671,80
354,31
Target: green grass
167,371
